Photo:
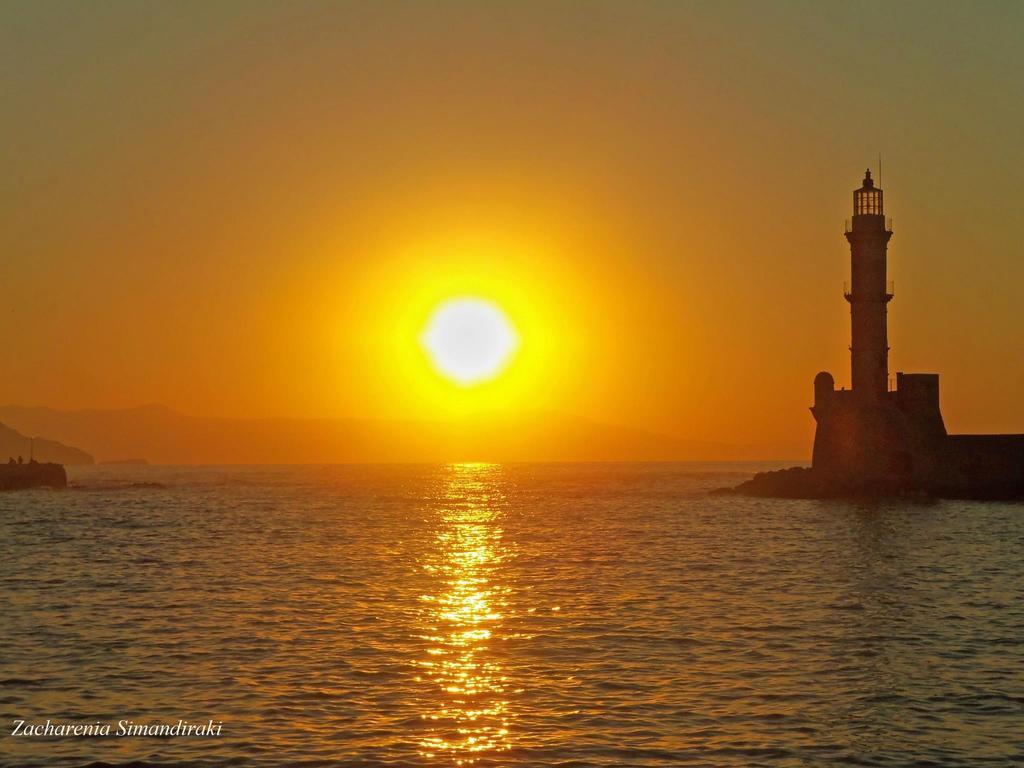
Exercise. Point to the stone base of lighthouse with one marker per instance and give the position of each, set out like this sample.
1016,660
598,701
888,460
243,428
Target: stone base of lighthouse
895,445
890,442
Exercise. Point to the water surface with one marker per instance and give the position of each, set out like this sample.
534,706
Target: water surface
522,615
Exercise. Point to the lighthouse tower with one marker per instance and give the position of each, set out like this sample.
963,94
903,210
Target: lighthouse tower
869,293
871,440
865,433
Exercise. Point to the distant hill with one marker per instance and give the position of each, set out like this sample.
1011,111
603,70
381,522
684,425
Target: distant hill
164,436
14,444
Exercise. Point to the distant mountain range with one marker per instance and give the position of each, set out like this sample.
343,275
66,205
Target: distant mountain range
14,444
164,436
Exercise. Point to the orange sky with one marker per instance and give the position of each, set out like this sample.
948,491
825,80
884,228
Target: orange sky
246,209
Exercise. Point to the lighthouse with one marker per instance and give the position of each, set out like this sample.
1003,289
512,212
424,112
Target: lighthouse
873,440
872,436
869,293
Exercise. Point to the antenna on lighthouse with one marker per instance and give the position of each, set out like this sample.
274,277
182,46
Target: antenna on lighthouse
879,169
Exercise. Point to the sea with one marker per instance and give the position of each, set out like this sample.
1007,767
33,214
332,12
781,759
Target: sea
504,615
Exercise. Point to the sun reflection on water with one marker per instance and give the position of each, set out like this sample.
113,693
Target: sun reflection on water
468,714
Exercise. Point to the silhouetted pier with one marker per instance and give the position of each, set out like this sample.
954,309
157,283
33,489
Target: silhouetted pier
15,476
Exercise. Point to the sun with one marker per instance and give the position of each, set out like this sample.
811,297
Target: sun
469,340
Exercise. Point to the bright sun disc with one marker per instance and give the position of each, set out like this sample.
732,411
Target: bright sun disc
469,340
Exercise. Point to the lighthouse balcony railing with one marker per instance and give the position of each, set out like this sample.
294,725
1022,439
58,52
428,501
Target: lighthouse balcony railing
848,227
890,291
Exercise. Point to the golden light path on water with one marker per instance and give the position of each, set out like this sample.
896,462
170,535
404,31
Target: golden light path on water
469,714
